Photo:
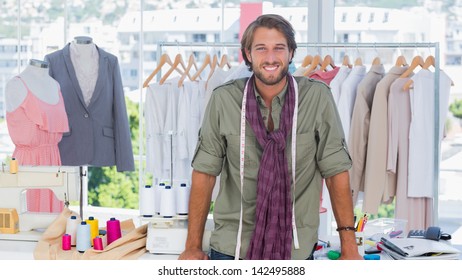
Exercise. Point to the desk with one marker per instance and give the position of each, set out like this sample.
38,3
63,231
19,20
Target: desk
24,250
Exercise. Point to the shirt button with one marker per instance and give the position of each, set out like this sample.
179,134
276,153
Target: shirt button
85,115
264,118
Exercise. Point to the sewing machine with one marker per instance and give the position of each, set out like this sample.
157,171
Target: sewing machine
64,181
168,235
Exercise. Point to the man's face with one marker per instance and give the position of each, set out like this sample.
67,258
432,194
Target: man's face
269,55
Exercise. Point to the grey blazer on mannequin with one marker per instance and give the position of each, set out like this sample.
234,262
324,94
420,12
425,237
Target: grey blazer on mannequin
99,134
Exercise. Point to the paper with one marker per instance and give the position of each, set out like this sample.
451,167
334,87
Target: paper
419,249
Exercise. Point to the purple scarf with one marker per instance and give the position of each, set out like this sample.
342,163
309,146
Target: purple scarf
272,237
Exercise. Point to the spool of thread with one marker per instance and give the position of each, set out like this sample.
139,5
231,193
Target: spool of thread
159,189
147,201
182,201
98,243
13,166
83,237
94,228
66,242
113,230
71,228
167,203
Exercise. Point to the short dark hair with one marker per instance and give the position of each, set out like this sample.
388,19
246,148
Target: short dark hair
269,21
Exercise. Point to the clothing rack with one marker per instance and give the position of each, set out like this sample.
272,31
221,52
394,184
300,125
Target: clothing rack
320,46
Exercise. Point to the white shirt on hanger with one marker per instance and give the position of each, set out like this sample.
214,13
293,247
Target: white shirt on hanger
161,110
348,96
421,131
218,78
241,71
336,83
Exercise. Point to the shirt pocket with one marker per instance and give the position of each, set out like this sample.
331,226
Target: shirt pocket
252,155
306,149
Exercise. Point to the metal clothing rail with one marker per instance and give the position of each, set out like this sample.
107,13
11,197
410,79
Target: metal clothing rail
429,45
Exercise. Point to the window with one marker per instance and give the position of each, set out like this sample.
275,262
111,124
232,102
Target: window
385,17
371,17
197,38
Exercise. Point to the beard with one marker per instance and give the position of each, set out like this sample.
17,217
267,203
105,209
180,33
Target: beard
270,80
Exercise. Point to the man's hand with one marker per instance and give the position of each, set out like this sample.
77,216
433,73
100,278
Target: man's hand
193,254
351,255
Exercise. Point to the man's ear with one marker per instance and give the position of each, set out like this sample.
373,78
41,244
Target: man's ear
247,54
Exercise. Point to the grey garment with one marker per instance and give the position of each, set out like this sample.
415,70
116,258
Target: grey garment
320,153
99,133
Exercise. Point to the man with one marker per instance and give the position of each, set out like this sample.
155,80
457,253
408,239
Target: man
255,136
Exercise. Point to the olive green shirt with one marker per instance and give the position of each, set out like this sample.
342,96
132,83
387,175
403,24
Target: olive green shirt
321,152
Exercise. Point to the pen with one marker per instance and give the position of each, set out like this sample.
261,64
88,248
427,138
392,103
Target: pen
392,247
364,222
360,224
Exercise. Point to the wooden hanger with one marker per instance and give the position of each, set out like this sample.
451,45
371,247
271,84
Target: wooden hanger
178,61
358,61
207,62
416,61
191,63
326,62
346,61
376,61
400,61
213,65
307,60
314,64
223,62
164,59
429,61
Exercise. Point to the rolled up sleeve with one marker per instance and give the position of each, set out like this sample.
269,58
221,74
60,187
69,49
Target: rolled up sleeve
332,155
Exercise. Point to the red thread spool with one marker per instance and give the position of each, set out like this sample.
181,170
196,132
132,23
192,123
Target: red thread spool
98,243
66,242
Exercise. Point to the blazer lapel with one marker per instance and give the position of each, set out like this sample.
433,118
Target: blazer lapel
102,75
72,74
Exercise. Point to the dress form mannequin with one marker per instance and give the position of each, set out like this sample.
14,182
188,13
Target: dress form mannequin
84,57
37,79
100,131
36,120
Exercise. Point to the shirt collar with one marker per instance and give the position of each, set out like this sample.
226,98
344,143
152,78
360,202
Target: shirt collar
278,98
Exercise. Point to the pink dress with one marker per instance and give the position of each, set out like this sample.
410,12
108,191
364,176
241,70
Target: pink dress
36,127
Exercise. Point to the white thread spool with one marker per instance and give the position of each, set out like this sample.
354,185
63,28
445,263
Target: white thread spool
182,201
167,203
158,194
83,237
71,228
147,201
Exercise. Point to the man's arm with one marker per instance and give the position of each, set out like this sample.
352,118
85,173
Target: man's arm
199,205
342,205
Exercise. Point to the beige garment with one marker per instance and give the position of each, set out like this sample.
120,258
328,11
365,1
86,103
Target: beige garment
359,130
416,210
379,186
130,246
